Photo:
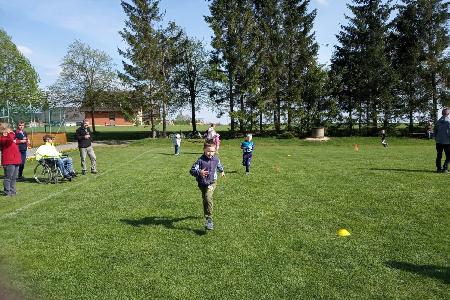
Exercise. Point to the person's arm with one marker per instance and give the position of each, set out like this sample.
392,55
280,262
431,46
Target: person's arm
195,169
221,168
80,136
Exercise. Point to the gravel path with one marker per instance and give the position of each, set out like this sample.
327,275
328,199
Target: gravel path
74,145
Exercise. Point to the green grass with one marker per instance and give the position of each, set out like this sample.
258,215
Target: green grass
134,231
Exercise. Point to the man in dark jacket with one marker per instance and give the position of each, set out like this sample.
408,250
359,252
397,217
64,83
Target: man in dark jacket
22,142
443,141
84,138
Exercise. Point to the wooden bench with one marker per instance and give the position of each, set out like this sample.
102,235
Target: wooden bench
417,135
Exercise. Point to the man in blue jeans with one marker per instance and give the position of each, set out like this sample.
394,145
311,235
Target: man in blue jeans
48,150
443,141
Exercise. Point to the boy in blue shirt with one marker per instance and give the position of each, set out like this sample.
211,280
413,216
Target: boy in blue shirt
204,170
247,147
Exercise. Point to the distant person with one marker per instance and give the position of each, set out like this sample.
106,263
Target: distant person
48,150
11,160
443,141
22,142
247,147
429,130
176,140
217,142
211,133
383,139
84,138
204,170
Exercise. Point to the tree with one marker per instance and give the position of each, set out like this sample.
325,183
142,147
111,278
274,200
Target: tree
233,26
18,79
406,60
433,16
142,70
362,61
86,75
190,77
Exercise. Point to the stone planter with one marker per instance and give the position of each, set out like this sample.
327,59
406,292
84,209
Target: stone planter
318,132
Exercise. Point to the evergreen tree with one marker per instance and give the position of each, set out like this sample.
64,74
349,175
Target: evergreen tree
233,26
142,69
364,57
433,16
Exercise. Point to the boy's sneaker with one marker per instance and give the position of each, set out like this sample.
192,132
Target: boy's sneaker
209,224
83,172
445,171
94,171
247,173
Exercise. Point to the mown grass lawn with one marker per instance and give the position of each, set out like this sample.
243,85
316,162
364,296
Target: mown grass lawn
135,230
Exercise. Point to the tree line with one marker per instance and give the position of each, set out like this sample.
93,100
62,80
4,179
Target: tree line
391,64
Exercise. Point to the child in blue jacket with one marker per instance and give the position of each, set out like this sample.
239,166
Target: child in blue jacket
247,147
204,170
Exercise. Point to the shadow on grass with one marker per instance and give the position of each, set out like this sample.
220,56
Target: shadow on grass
402,170
166,222
441,273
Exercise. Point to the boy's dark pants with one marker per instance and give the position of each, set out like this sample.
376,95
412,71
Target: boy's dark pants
207,196
439,149
22,165
246,160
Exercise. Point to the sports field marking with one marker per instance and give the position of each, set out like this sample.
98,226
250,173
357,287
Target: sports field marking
72,186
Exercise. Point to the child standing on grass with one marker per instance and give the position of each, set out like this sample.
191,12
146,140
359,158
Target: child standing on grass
247,147
217,142
11,160
204,170
383,139
176,140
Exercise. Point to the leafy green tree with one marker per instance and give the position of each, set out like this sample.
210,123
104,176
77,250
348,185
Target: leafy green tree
86,74
433,17
233,24
143,72
190,79
363,61
18,79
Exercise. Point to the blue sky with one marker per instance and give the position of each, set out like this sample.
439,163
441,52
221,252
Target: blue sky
43,29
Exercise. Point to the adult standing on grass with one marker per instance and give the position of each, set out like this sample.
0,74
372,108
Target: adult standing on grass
10,160
443,141
22,142
84,138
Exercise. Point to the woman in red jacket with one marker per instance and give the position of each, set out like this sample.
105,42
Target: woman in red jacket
11,160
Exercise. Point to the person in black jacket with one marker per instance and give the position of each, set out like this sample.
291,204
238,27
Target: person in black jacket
84,138
22,142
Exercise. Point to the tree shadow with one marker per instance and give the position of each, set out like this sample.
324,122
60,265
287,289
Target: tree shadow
441,273
402,170
166,222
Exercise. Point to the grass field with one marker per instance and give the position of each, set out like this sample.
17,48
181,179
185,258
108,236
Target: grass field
135,230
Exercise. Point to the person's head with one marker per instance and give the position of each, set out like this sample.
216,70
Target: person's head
209,149
5,129
213,125
86,123
382,131
248,137
445,111
21,125
47,138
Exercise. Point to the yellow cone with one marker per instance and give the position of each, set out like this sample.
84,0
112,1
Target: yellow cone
343,232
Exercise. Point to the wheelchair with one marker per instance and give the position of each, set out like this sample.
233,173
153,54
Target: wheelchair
47,171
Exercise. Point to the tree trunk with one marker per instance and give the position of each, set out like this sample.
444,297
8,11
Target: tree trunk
241,115
260,121
289,120
411,120
194,123
434,110
93,120
231,98
278,115
164,121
